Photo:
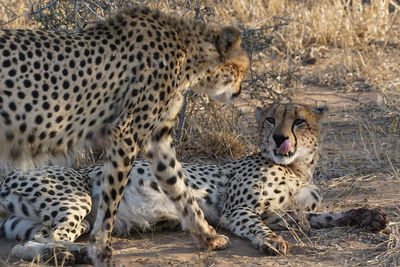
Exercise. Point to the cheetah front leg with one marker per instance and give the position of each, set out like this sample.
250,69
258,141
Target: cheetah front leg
121,151
244,222
169,174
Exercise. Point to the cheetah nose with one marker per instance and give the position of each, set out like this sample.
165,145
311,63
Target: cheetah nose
238,92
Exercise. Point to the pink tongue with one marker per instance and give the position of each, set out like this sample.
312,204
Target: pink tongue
284,148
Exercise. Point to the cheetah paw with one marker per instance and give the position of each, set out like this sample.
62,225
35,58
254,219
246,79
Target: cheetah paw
81,255
58,255
218,242
213,243
372,219
101,257
275,246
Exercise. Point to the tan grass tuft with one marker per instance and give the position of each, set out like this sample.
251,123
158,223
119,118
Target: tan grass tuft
391,257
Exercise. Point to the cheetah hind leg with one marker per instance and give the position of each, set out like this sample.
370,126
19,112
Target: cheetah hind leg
53,248
79,251
55,253
372,219
162,156
52,253
40,250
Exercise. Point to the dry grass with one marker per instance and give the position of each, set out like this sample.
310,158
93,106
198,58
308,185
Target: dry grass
358,37
344,47
391,257
349,45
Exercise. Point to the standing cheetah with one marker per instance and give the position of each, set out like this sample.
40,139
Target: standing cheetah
251,196
119,84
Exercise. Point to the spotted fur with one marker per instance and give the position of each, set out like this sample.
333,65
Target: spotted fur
118,84
251,196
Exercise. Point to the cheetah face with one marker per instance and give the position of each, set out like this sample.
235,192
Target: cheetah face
223,78
289,132
225,84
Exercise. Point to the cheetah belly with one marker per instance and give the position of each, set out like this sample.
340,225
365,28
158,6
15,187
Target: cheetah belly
140,208
144,204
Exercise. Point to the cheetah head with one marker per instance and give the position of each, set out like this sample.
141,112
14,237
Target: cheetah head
289,132
228,64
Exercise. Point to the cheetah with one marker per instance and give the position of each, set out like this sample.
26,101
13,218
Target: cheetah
118,84
251,197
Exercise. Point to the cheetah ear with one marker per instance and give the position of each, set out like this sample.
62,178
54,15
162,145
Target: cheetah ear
321,112
228,39
260,114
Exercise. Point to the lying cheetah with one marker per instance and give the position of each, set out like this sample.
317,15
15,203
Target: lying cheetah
251,196
119,84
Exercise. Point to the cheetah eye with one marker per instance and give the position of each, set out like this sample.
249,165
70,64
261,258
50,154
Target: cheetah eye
270,120
299,122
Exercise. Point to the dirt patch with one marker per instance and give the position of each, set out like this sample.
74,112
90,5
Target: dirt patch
360,162
346,246
342,188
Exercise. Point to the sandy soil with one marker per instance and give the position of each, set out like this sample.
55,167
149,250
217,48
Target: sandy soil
346,181
348,177
332,247
329,247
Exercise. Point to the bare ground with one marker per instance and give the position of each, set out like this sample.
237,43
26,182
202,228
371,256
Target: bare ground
328,247
346,180
360,165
